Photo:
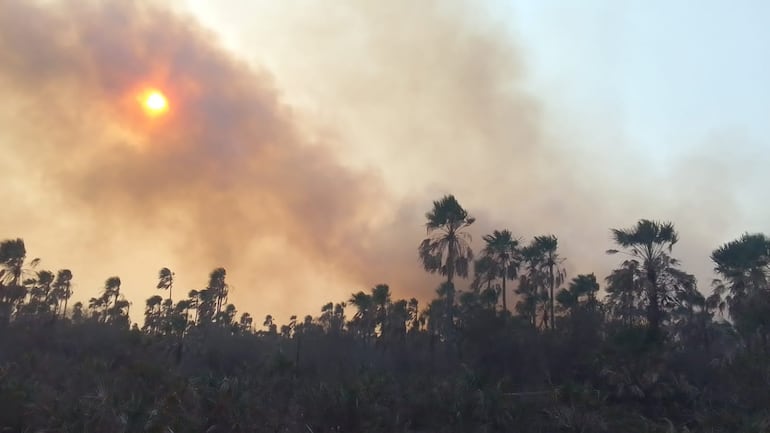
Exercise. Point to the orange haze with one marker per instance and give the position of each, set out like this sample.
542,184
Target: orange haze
307,179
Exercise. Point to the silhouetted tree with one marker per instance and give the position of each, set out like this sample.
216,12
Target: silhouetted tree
152,314
625,293
13,254
63,287
166,280
42,300
744,265
217,291
502,249
333,317
545,271
270,325
650,242
581,292
447,249
77,312
364,321
530,295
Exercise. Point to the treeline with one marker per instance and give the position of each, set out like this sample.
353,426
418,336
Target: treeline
522,347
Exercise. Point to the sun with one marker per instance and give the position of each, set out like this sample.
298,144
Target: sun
154,102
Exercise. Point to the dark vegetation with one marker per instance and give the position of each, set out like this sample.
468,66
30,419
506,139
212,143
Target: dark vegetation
523,348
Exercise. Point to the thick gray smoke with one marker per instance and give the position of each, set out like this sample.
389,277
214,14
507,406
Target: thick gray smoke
306,178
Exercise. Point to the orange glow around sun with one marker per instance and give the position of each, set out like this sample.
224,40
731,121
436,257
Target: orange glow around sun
154,102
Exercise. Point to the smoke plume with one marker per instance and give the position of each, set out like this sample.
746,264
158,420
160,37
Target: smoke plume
302,159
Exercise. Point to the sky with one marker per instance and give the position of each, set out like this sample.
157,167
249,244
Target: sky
305,140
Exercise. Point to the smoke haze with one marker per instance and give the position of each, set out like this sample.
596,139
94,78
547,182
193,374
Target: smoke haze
301,154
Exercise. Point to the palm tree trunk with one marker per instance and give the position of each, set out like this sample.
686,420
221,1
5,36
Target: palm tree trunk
653,309
553,318
505,302
450,294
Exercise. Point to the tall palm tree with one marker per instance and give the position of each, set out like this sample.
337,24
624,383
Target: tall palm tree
206,306
650,242
152,314
744,264
218,288
545,269
165,280
363,320
63,287
381,300
502,249
112,289
46,298
530,297
447,250
12,256
397,320
194,297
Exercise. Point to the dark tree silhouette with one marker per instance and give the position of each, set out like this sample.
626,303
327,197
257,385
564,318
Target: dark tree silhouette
650,242
63,287
501,249
395,367
166,281
447,249
744,265
545,271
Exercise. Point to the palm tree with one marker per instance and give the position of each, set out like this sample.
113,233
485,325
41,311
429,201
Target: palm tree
166,280
582,291
745,266
501,249
206,304
744,263
63,287
218,288
545,271
363,321
625,293
531,295
447,250
112,289
485,272
227,316
397,320
381,302
650,242
152,314
12,256
193,297
45,297
333,317
119,313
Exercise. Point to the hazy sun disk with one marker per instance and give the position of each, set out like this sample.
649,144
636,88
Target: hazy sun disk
154,102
